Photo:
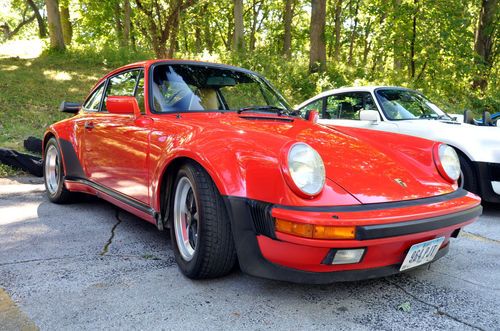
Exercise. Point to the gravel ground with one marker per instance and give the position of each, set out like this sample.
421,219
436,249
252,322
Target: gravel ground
92,266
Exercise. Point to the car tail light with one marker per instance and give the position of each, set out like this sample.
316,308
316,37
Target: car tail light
315,231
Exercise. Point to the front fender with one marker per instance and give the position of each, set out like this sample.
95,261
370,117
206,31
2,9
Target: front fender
241,169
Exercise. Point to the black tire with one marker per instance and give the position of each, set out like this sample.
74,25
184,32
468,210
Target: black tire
214,254
470,182
58,193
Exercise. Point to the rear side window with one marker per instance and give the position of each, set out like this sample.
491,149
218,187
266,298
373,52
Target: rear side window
93,102
123,84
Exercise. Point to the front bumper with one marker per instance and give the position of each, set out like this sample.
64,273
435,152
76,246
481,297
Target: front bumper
385,230
489,180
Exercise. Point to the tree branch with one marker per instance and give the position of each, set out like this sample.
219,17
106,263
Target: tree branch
10,34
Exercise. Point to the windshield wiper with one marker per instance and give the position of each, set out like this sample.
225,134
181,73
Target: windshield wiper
444,117
271,109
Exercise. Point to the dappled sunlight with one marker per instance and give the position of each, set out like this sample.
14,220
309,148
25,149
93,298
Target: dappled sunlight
57,75
8,67
19,212
24,49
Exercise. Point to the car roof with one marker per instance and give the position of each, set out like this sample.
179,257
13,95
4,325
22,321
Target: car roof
370,88
149,63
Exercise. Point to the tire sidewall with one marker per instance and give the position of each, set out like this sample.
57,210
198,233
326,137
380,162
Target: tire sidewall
56,195
188,267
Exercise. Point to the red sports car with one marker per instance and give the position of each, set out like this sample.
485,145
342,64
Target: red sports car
214,153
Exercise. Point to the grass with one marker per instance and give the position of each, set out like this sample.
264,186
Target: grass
31,91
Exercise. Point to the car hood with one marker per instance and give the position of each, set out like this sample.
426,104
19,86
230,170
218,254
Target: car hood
372,172
445,127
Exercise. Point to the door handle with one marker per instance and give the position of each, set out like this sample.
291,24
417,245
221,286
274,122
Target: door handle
89,125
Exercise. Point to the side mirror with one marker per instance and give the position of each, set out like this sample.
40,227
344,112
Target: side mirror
369,115
123,105
312,116
70,107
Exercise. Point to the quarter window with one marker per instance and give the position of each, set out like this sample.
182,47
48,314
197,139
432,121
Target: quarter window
139,92
315,105
122,85
93,102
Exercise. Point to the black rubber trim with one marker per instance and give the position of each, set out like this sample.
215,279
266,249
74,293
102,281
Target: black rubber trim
423,225
487,173
202,64
253,263
272,119
379,206
73,167
118,196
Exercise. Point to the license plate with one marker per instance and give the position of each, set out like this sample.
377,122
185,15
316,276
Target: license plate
421,253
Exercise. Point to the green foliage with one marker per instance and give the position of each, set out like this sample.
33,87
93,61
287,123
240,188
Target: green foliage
380,33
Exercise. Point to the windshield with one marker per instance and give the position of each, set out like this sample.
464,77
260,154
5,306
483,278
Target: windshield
398,104
188,87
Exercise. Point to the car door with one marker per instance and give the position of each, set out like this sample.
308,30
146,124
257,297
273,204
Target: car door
117,145
344,109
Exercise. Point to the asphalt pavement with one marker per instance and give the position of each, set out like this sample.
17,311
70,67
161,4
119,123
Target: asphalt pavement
93,266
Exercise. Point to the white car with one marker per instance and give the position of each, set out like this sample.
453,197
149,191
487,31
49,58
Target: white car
405,111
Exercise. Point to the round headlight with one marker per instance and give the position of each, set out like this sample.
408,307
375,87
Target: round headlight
306,169
448,163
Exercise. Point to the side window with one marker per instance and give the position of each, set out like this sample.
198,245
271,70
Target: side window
346,106
139,92
93,102
315,105
121,85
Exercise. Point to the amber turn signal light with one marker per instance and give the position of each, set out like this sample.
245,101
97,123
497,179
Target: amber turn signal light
315,231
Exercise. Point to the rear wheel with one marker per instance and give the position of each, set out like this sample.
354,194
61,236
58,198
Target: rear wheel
468,178
53,174
201,231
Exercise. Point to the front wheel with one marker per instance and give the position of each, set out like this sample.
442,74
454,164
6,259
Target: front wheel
201,231
53,174
468,179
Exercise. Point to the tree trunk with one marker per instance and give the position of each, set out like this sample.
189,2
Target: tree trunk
66,25
353,33
238,35
287,23
317,55
398,38
55,29
338,28
413,40
483,44
127,23
119,24
368,43
42,29
209,38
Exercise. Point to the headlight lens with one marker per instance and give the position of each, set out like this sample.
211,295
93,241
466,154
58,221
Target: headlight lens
449,161
306,169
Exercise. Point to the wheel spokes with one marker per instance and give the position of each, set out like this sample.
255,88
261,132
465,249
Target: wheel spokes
186,219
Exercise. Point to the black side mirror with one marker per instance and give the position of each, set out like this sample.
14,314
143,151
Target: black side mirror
70,107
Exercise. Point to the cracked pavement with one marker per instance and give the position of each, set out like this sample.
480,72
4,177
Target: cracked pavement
90,265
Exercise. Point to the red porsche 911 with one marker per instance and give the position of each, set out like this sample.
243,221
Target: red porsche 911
216,155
